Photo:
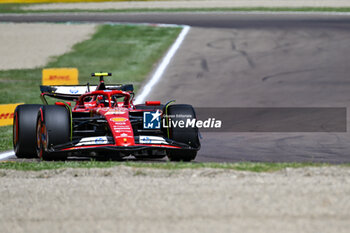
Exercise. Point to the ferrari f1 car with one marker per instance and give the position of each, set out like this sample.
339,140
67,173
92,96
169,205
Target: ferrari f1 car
103,122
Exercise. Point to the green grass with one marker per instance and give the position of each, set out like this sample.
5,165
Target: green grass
244,166
16,8
128,51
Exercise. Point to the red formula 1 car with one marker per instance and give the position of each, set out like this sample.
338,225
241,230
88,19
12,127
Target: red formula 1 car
103,123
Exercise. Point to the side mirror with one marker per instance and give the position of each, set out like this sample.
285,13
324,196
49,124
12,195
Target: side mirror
152,103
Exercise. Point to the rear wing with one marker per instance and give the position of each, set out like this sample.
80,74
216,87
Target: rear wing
71,93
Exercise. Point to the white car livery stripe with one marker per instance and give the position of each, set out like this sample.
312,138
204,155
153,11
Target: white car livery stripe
151,140
95,141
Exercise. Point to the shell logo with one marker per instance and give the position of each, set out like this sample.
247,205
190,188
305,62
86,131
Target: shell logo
118,119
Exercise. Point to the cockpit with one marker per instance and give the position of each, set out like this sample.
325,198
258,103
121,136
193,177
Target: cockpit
105,98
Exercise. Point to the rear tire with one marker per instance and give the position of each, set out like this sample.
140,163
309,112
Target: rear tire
53,128
185,135
24,130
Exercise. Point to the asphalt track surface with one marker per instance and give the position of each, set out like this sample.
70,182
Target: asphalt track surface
252,60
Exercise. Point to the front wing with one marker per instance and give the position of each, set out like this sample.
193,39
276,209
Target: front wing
106,144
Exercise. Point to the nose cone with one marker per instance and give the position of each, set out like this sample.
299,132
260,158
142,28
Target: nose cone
119,123
123,141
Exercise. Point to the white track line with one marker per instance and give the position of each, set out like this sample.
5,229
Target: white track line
6,155
163,65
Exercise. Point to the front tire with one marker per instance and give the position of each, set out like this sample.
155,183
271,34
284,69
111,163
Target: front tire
53,128
187,135
24,130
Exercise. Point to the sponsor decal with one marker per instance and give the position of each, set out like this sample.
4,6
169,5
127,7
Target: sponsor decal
60,76
122,130
99,140
95,141
152,140
7,113
147,140
124,137
120,125
115,112
151,120
102,109
119,119
74,90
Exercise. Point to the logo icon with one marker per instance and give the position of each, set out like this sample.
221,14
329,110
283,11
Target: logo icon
151,120
146,140
74,90
99,140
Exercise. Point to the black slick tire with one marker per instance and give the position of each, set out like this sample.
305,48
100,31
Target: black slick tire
24,130
187,135
53,128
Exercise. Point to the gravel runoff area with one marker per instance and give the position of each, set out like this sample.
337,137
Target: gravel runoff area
190,4
30,45
125,199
